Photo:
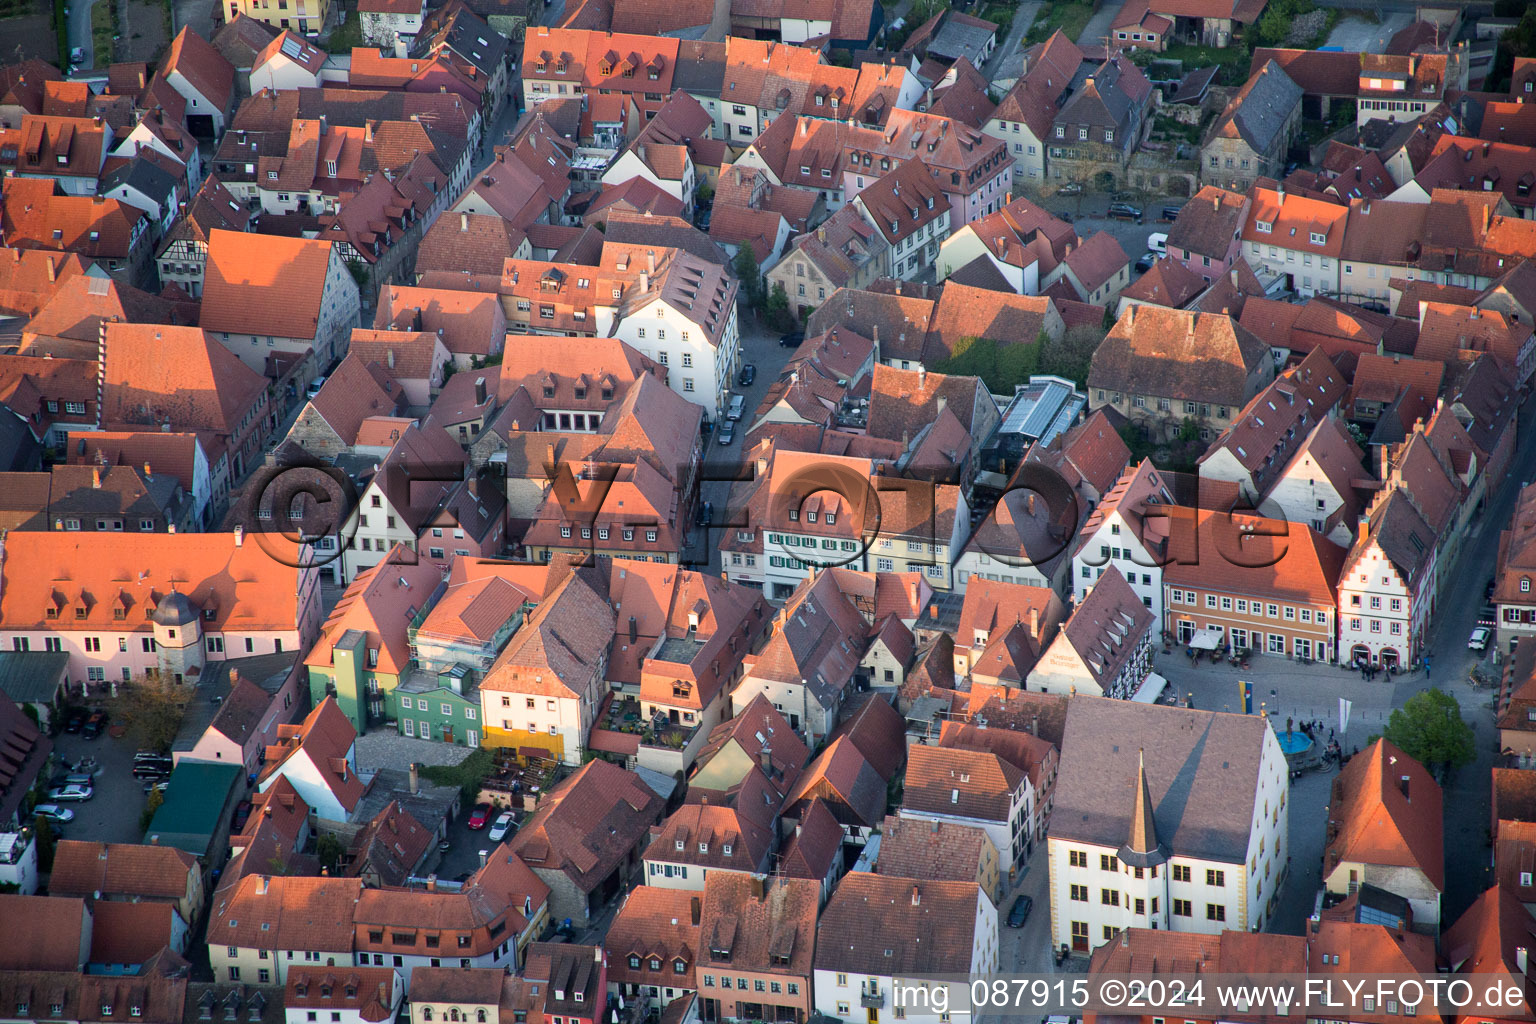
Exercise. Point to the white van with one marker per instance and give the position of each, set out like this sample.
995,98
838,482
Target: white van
737,406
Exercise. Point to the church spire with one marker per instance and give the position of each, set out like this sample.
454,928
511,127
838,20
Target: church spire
1142,848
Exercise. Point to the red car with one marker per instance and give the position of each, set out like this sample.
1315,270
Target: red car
479,816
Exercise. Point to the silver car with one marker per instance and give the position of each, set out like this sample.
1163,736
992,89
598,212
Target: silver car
53,812
502,826
72,791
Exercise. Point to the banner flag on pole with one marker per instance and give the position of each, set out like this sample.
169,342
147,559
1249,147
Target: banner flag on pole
1245,696
1344,709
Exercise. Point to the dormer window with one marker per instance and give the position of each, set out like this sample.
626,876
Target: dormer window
680,844
726,849
810,517
703,847
1264,227
1318,238
1525,584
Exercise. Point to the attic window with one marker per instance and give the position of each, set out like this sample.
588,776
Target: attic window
680,845
1318,238
726,849
1264,227
1525,584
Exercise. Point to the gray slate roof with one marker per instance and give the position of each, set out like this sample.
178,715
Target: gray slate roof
1259,111
1202,774
32,677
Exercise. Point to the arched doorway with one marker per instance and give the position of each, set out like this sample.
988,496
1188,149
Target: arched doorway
1390,658
1104,181
1360,655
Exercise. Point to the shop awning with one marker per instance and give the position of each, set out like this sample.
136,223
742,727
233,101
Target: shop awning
1150,689
1207,639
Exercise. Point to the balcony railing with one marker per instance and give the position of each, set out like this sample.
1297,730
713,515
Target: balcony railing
872,1000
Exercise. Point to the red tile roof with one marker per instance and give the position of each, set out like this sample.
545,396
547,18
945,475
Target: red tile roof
126,870
1386,812
264,284
326,737
204,68
588,823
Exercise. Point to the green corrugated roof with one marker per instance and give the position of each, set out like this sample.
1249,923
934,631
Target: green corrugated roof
194,803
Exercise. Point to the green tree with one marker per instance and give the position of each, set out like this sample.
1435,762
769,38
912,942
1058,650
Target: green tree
47,839
1071,355
1429,728
328,851
749,274
922,10
152,714
1519,41
155,801
776,312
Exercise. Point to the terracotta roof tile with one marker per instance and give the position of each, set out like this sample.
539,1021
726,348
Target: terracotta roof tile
815,846
1169,283
278,912
264,284
660,923
131,933
588,823
53,939
121,870
928,925
1202,357
202,66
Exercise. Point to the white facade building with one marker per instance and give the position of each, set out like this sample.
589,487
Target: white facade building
1166,818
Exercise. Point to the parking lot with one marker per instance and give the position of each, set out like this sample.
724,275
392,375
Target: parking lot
112,813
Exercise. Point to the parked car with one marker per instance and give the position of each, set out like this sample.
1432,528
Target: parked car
77,56
1157,241
479,816
242,815
1145,263
1124,211
151,770
1171,213
1019,912
1071,188
503,825
95,725
73,791
728,433
162,785
315,386
1479,639
53,812
74,779
737,408
705,514
792,339
76,719
747,375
